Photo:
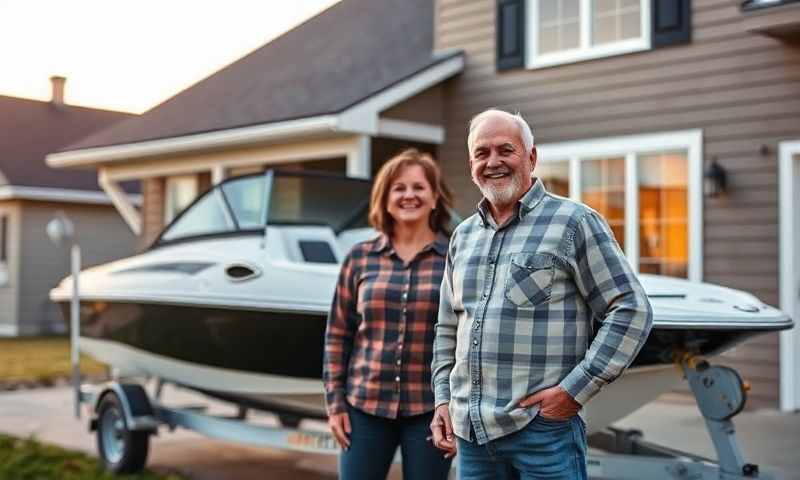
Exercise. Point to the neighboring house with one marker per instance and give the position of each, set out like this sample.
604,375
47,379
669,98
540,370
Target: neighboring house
631,102
30,194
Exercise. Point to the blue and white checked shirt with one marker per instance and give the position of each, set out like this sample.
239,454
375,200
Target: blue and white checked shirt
517,307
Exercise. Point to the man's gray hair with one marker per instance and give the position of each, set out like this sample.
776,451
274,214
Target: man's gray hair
525,132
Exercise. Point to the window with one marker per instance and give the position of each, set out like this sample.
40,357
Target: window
647,187
246,198
180,192
564,31
207,216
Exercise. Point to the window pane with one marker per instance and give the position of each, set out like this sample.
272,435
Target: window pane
663,214
603,188
615,20
555,176
631,25
181,191
559,25
297,199
206,216
548,39
246,198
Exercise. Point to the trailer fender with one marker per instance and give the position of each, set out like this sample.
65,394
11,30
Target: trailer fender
139,413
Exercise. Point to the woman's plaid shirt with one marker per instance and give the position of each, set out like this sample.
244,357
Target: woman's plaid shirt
517,308
379,340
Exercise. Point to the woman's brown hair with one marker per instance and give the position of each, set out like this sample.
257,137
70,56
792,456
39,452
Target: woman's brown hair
379,217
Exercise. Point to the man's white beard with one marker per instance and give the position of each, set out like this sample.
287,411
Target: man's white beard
502,196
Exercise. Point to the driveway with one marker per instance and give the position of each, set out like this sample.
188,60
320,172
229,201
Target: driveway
768,438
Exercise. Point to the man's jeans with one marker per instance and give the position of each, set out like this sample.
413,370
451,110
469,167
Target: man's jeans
544,449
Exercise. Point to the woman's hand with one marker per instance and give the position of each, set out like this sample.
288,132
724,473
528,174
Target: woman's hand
442,431
339,423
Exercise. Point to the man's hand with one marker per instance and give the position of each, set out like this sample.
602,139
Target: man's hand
339,423
442,431
554,403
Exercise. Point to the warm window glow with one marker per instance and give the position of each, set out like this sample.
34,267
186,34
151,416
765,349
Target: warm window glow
663,214
554,176
603,188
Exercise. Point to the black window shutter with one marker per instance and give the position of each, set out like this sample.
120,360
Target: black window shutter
672,23
510,34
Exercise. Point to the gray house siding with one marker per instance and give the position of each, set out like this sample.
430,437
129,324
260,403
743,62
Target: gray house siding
9,293
741,89
102,235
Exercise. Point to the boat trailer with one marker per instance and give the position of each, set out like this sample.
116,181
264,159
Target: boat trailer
124,416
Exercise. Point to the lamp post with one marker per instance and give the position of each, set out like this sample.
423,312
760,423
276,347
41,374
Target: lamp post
61,231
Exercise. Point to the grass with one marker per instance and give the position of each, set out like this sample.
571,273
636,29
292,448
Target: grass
31,460
41,359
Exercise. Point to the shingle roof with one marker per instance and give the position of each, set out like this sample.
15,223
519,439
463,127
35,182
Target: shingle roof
347,53
30,129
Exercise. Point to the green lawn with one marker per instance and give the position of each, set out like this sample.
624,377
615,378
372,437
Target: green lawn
40,359
31,460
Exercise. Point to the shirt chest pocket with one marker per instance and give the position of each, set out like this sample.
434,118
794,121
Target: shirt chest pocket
530,279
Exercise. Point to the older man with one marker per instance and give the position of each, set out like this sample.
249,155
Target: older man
515,354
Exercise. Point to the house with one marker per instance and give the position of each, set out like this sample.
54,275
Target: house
30,194
636,104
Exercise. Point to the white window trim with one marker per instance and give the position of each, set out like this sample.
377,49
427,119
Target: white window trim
631,147
585,51
789,266
169,215
5,239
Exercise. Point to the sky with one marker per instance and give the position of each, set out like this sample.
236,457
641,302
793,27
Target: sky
131,55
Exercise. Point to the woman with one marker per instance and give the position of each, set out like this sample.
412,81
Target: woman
379,340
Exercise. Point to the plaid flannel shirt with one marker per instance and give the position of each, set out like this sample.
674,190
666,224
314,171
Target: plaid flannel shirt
379,339
517,309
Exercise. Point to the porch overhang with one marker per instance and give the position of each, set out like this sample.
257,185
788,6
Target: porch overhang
363,118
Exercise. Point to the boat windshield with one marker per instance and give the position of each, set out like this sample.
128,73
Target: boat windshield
239,204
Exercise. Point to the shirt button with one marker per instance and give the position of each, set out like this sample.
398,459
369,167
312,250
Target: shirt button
485,294
397,378
474,341
400,346
398,361
475,382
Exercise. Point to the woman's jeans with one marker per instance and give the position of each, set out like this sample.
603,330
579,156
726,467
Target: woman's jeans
374,440
544,449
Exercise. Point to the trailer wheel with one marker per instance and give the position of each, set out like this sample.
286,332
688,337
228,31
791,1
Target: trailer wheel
121,450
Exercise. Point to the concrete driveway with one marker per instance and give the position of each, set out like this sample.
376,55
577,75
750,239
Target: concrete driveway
767,438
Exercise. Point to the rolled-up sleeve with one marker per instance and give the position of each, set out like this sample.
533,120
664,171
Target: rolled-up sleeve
341,327
614,295
444,344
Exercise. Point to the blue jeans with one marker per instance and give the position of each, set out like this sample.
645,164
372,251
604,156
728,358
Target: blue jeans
374,440
544,449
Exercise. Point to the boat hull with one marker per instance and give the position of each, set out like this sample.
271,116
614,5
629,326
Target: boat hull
272,360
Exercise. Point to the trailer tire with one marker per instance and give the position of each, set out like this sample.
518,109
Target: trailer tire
121,450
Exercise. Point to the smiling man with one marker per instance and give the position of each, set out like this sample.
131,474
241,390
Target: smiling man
516,354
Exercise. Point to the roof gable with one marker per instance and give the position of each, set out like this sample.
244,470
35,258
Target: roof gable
338,58
30,129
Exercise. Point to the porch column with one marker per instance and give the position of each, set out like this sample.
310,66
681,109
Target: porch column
359,164
218,174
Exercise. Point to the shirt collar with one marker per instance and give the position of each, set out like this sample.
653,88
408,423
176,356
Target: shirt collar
525,204
439,244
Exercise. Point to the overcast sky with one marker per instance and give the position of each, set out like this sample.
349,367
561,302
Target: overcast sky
131,55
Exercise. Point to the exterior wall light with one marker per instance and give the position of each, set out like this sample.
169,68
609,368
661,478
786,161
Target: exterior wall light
714,180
